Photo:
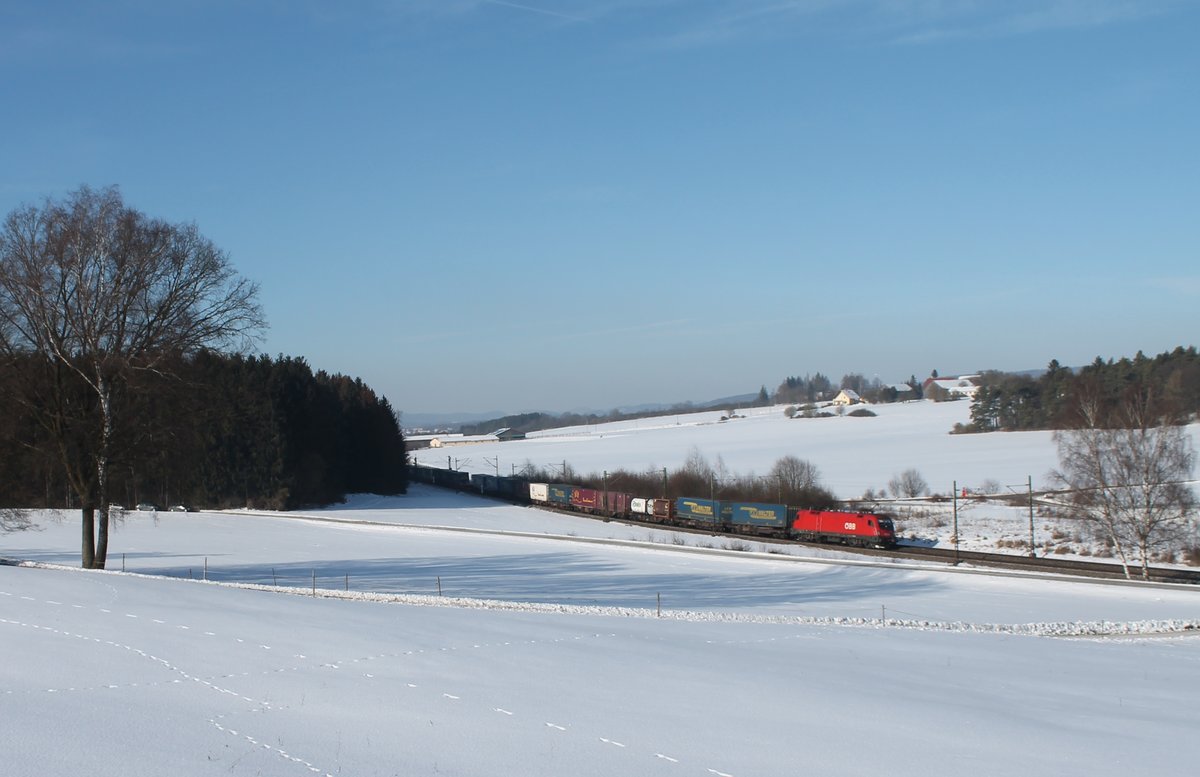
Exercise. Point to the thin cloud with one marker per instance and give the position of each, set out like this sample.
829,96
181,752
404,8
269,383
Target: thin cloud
694,25
61,41
1187,286
922,23
741,19
532,9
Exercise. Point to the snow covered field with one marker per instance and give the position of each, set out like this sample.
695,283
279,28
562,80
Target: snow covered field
546,652
758,665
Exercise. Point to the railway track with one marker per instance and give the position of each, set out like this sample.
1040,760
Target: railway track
1044,564
1095,569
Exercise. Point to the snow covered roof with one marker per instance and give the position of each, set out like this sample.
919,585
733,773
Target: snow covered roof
443,440
962,386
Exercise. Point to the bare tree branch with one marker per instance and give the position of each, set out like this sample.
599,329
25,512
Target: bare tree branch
101,290
1129,480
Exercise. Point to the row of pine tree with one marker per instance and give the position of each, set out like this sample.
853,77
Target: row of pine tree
1058,397
213,431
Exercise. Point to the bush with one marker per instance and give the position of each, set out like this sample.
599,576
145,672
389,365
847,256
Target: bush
990,486
908,483
861,412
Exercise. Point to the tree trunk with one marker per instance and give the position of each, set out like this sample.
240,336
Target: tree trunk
102,540
88,515
104,389
1116,541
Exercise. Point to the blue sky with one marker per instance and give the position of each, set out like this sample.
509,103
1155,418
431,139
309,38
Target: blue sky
478,205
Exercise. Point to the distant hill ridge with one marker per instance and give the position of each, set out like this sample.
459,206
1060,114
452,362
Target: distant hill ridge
479,423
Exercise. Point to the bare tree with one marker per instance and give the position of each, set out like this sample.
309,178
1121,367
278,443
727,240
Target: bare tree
798,482
97,292
795,474
1128,479
908,483
695,476
990,486
697,465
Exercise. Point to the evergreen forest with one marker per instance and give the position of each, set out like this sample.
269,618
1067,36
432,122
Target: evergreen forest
207,430
1060,398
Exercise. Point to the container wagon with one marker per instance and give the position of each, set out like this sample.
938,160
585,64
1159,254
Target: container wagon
700,513
769,520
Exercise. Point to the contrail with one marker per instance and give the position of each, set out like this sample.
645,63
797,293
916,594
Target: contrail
543,11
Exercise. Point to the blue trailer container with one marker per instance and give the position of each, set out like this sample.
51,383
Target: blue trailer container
706,512
560,494
484,484
755,515
513,488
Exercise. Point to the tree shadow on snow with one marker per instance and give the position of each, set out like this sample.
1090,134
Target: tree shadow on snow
420,496
570,578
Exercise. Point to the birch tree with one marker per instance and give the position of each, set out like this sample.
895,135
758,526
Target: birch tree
1127,476
97,292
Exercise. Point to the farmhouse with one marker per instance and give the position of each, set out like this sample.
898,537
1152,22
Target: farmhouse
847,397
955,388
417,442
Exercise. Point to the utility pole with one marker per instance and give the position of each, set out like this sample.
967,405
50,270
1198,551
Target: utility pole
1032,552
955,496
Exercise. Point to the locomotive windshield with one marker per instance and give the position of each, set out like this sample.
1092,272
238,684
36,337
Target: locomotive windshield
885,523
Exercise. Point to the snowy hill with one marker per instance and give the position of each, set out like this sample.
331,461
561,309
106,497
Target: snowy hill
853,454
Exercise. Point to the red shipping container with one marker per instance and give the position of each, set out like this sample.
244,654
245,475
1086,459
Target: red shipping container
585,498
617,503
662,509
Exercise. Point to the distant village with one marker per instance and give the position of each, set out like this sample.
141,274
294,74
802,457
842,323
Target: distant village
962,387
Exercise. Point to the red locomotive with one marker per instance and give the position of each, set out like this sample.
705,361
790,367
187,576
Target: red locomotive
849,528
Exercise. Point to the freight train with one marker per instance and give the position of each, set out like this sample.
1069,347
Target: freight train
743,518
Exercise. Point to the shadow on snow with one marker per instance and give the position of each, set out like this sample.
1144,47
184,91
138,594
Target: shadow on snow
566,578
